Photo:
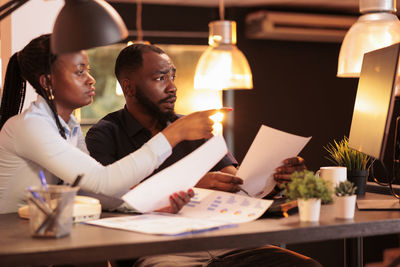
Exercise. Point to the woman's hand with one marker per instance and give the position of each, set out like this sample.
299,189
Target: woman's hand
177,201
194,126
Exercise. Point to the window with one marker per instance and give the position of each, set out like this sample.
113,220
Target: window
106,100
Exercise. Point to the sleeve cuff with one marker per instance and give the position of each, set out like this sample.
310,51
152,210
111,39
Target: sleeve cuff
161,147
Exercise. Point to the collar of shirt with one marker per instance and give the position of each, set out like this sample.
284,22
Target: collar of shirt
71,128
132,126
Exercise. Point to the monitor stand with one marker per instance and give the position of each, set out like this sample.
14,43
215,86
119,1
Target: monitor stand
379,197
379,203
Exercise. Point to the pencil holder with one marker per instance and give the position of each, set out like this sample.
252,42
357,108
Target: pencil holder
50,211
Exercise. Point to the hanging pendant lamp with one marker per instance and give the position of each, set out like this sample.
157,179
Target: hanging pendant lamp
83,24
222,66
378,27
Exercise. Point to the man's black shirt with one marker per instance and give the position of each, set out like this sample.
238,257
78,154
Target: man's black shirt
119,134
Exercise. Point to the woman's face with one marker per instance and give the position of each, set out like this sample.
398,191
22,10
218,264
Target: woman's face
73,86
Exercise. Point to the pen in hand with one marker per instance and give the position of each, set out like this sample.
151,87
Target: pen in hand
244,191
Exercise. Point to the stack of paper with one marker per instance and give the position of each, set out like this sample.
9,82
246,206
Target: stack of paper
207,210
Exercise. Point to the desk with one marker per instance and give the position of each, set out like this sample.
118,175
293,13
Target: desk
90,243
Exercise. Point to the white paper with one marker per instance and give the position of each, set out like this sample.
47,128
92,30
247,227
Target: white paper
161,224
207,210
153,193
269,148
224,206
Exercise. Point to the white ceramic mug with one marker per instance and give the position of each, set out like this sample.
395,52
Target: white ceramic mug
333,174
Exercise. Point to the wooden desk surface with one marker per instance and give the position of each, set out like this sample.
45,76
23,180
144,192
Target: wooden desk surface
91,243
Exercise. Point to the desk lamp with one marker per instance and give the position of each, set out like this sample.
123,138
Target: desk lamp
81,24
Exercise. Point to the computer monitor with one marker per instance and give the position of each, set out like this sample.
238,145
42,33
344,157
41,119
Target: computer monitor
375,127
375,102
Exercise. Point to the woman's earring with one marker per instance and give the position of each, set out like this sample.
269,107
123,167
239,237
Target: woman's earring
50,93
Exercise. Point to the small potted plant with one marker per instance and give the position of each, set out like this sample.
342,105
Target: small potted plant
309,190
357,163
345,200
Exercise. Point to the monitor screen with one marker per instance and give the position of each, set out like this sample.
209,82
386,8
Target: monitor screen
375,101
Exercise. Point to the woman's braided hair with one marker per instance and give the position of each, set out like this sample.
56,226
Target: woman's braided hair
29,64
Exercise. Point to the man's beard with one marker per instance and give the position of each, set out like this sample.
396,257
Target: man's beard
154,110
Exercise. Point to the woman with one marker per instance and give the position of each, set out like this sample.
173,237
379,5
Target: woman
47,136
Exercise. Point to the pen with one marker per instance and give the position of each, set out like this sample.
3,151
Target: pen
244,191
77,180
36,195
52,217
43,180
39,201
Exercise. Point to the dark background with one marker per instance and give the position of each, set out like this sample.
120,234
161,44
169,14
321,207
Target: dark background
295,90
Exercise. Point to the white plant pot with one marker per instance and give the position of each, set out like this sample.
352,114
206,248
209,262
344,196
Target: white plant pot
345,206
309,209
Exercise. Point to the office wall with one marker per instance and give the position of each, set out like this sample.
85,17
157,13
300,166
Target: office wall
295,90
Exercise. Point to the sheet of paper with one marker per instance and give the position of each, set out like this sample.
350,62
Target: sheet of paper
161,224
154,193
207,210
225,207
269,148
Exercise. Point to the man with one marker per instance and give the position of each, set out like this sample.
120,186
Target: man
146,75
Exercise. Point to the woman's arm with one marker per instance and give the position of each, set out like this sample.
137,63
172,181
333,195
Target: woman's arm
38,140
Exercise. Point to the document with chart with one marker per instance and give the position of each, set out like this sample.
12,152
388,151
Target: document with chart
207,210
154,192
267,152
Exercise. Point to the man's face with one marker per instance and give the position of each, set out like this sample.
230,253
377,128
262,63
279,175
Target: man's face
155,87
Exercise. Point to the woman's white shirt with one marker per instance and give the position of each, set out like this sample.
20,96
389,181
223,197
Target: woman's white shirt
30,142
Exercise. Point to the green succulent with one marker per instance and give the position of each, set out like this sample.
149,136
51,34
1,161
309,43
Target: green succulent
341,154
306,185
345,188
